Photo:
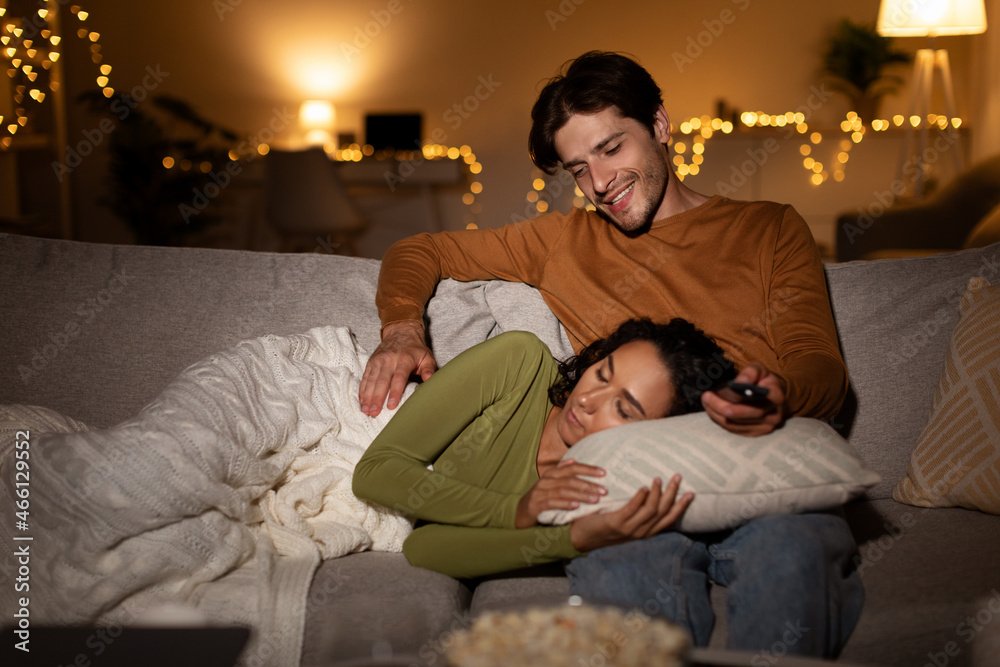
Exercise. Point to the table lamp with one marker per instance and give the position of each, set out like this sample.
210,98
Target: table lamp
929,18
316,118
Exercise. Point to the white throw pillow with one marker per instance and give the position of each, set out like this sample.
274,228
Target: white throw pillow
803,466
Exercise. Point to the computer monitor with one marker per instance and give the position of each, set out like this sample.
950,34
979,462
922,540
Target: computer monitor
399,131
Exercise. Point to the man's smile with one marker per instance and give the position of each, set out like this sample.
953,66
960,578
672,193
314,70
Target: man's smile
618,201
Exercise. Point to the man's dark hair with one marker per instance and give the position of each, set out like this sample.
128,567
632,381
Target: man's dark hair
696,363
593,82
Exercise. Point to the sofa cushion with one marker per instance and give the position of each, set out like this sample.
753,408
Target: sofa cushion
803,466
543,585
957,458
374,606
923,571
894,321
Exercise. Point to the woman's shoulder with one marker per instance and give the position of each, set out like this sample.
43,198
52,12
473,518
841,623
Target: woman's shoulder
523,342
509,351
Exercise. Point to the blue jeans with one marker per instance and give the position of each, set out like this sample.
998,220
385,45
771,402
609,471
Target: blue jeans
792,585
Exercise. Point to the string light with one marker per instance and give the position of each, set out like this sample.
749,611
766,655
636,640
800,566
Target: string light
31,55
357,152
853,128
700,129
694,133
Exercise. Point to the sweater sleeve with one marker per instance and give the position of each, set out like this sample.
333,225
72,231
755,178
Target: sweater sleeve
802,325
450,422
477,552
412,267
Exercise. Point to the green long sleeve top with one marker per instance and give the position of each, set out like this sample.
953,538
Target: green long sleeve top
478,423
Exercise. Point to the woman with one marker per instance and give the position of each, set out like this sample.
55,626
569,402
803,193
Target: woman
494,424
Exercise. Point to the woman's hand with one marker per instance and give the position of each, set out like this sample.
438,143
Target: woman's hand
559,488
650,511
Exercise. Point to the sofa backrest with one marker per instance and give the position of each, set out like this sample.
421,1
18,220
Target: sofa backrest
96,331
894,320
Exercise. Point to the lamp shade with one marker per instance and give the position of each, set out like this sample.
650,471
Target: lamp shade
933,18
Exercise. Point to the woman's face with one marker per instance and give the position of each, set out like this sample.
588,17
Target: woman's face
631,384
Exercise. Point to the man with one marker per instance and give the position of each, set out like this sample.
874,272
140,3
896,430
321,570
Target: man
747,273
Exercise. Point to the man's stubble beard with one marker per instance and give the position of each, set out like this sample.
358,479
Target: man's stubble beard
658,178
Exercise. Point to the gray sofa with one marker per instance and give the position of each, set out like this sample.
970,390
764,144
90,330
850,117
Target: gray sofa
96,331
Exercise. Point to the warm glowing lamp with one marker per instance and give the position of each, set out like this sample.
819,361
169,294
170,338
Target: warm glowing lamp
316,119
929,18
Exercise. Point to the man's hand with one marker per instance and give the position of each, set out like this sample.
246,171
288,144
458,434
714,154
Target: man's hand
748,419
401,353
650,511
560,488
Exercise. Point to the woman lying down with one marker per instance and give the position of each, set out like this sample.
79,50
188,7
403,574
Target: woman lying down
493,425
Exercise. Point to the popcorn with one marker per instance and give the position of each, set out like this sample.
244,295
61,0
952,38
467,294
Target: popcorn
569,636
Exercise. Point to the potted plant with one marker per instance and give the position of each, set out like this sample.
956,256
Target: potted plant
147,196
855,63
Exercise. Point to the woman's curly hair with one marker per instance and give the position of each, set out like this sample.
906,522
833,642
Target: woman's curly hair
696,363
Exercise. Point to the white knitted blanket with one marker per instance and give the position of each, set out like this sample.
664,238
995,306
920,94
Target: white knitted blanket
225,493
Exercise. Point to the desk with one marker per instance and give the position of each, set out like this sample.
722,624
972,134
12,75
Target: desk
402,198
374,178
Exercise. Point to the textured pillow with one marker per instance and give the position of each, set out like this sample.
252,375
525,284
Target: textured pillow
521,307
458,318
956,462
986,231
803,466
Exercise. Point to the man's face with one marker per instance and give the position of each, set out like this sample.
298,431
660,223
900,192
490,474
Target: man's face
620,168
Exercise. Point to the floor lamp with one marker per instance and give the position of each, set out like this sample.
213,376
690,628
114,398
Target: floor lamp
929,18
